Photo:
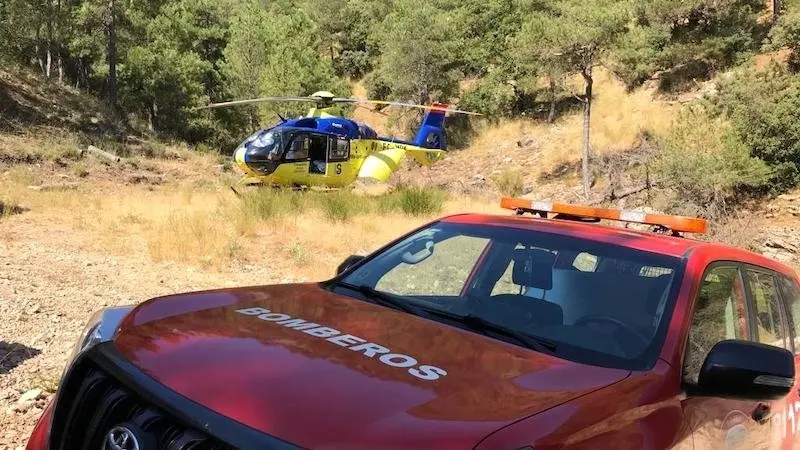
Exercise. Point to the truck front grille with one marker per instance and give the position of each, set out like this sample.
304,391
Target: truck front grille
95,408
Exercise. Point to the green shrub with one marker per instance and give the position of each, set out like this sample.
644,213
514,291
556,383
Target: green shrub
298,253
354,63
420,201
764,108
388,203
336,209
509,182
786,33
338,206
705,163
341,206
492,96
80,170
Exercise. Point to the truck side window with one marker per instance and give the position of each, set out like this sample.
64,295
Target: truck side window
769,322
791,292
719,314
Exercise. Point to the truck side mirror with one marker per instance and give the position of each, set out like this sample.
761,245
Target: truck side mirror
746,370
347,263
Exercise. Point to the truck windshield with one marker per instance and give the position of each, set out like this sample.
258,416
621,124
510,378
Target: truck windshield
589,301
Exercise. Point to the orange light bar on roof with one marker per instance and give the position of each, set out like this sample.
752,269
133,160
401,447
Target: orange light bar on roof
674,223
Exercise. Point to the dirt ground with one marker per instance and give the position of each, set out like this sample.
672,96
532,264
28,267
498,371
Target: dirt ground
50,283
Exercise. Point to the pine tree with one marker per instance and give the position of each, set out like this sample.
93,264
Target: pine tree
418,58
574,37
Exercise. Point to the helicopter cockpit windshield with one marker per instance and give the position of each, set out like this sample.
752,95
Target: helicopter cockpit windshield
264,149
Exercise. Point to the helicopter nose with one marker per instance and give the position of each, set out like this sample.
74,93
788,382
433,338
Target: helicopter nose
239,155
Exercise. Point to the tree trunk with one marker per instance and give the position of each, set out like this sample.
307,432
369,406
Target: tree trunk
587,113
49,63
49,43
36,48
60,44
112,54
152,116
81,81
424,95
60,62
776,11
552,116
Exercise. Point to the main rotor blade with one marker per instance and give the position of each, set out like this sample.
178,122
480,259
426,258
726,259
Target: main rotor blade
408,105
258,100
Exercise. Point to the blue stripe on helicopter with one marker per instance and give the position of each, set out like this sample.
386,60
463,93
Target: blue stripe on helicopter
430,134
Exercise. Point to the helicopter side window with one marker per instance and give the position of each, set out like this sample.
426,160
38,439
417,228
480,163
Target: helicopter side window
339,149
298,150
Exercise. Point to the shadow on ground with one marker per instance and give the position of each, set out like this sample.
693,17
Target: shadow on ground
8,209
13,354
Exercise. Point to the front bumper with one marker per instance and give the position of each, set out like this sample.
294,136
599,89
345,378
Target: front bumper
80,408
41,432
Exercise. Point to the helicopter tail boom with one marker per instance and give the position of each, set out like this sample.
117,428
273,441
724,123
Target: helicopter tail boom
425,156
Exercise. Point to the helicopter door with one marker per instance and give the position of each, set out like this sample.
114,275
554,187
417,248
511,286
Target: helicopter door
338,158
296,159
318,152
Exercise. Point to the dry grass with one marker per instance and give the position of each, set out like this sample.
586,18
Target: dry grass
304,235
39,146
739,230
618,118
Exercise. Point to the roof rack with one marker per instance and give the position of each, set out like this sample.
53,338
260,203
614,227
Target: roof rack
661,222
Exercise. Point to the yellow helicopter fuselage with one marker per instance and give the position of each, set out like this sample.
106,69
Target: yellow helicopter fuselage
310,157
369,160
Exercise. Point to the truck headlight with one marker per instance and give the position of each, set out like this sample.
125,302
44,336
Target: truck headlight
100,328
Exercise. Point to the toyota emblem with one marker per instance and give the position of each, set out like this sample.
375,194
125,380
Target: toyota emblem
121,438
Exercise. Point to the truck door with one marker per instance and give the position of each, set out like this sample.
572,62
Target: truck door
789,417
721,312
770,326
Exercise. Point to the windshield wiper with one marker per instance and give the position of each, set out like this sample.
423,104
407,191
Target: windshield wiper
526,339
384,298
472,321
478,323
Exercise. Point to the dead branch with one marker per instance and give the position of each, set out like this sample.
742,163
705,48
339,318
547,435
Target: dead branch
55,187
102,154
614,195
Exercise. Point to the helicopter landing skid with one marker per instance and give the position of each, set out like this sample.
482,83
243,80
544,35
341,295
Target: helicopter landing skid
248,181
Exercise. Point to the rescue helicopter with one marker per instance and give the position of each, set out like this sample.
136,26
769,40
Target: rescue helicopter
327,150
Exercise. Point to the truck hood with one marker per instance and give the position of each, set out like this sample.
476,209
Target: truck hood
328,371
